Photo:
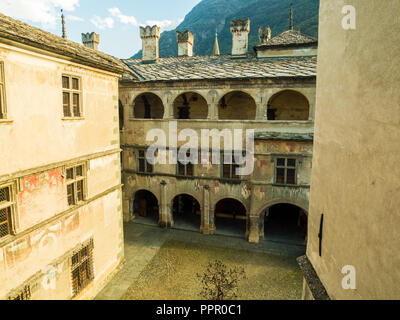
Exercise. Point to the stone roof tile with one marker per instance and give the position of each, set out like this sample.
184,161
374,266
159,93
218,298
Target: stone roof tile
222,67
23,33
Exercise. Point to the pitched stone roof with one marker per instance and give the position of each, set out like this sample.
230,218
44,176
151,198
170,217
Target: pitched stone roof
222,67
290,38
23,33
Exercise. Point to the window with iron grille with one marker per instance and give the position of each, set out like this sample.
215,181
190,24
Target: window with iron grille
3,110
72,93
76,181
7,208
229,170
285,171
142,165
25,294
82,268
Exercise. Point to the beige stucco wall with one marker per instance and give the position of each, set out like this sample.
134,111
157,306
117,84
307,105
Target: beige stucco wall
355,178
36,146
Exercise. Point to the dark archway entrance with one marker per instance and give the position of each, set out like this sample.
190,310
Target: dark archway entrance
230,218
145,207
186,212
285,223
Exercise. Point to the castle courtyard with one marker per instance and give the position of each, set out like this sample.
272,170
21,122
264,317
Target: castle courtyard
163,263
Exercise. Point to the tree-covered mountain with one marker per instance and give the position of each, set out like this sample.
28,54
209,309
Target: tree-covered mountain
215,15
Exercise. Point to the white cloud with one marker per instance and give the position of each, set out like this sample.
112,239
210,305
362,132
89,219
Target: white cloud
45,12
165,25
116,12
74,18
102,23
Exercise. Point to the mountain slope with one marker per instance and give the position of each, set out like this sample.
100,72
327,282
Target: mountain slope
211,15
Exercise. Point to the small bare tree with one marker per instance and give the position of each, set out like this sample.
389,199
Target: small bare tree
219,283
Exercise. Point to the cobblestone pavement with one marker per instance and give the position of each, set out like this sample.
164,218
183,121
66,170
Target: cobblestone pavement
142,243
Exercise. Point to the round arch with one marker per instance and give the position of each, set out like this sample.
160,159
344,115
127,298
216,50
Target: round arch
281,201
121,115
145,205
237,105
284,221
230,217
288,105
190,105
148,105
186,212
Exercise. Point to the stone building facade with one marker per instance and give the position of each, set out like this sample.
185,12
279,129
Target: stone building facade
353,242
60,176
274,96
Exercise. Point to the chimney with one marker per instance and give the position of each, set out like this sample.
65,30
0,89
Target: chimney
240,36
185,43
150,37
264,34
91,40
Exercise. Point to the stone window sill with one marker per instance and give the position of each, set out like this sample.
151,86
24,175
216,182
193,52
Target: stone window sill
73,119
6,121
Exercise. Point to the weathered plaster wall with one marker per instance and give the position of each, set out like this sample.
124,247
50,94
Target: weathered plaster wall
38,135
355,178
37,145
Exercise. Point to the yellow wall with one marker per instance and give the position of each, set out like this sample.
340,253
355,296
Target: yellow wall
36,147
355,178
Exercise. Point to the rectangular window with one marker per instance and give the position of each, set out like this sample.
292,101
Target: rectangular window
185,170
76,181
82,268
72,95
7,208
285,171
142,165
3,110
25,294
229,170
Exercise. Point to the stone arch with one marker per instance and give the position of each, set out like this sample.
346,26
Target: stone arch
284,221
281,201
148,105
186,212
190,105
288,105
237,105
145,204
121,115
231,217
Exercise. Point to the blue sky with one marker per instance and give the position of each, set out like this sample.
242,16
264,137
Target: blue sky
117,21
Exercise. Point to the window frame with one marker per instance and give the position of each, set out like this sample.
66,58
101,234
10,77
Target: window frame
146,164
12,206
74,182
24,294
71,92
76,267
285,167
3,100
232,167
185,169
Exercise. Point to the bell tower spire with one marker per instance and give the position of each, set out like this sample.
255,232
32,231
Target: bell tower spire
216,45
291,26
64,35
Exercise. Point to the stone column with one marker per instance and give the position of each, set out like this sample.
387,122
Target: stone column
165,215
205,215
213,111
253,233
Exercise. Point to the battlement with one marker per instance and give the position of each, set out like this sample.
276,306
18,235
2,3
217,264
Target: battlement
186,36
91,40
150,32
240,25
264,34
